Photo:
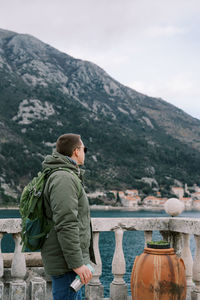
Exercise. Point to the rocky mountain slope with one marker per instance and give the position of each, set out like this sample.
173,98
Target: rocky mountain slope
132,138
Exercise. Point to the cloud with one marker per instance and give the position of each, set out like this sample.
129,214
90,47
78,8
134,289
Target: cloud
167,31
178,85
181,90
98,24
182,84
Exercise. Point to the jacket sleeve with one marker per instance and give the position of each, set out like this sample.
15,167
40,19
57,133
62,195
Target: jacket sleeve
64,190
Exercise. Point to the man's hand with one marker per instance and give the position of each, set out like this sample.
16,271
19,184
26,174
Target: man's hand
84,273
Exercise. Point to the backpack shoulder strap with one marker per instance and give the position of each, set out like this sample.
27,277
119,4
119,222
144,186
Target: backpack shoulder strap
51,171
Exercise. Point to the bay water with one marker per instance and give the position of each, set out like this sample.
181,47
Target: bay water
133,241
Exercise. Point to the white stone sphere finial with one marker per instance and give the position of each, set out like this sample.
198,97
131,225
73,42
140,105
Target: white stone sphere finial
173,207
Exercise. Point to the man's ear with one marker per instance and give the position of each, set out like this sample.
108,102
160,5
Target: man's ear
75,153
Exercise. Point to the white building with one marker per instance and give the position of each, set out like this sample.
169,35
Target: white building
187,201
131,192
154,201
130,201
178,191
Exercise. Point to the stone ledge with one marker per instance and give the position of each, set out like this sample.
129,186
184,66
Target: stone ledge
10,225
143,224
33,259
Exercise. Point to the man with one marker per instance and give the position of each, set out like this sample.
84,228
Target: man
68,247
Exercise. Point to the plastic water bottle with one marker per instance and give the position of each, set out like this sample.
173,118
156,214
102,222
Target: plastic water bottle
77,284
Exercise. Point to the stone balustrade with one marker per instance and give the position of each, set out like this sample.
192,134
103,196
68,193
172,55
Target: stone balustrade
22,280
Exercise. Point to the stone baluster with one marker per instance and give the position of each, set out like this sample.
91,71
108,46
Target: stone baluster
1,269
118,288
18,268
147,237
94,290
177,242
1,257
38,288
196,270
18,271
175,239
165,235
187,258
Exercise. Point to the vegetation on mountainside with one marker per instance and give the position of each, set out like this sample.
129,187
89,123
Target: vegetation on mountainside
129,136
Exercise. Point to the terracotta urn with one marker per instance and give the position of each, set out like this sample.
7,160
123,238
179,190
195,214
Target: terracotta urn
158,274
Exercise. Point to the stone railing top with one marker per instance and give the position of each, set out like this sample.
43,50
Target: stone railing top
144,224
10,225
33,259
183,225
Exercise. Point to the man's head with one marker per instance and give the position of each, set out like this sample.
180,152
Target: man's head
71,145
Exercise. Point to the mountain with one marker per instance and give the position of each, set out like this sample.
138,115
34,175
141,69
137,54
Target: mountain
133,140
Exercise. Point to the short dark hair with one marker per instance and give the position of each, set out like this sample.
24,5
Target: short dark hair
67,143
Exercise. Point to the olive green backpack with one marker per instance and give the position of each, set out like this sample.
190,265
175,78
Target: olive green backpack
35,225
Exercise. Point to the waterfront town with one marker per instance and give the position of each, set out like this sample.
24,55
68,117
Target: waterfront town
131,198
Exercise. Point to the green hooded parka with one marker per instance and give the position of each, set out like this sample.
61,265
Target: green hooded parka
69,243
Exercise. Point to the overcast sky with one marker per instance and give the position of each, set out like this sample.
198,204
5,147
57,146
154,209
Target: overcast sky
152,46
